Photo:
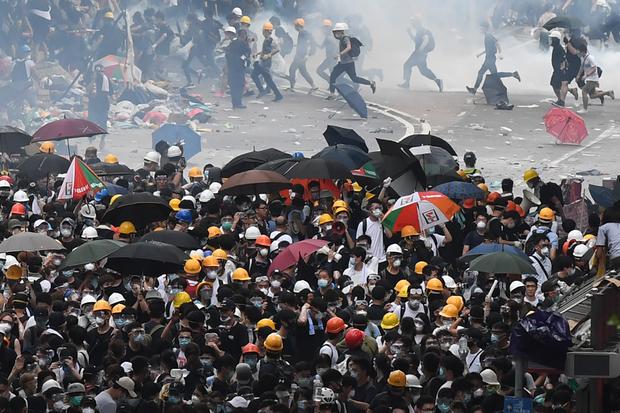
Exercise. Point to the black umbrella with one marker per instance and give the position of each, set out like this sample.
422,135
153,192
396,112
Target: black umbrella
255,182
179,239
335,135
250,160
494,90
350,156
439,166
304,168
354,99
405,163
111,169
147,258
140,208
12,140
567,22
427,140
41,165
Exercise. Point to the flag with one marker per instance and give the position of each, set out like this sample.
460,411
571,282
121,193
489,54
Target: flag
79,181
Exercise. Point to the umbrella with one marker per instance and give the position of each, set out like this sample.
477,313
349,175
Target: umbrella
459,190
255,182
367,174
13,139
114,189
335,135
175,134
67,129
111,169
91,251
79,181
116,67
250,160
438,165
354,99
40,165
567,22
494,90
140,208
398,163
351,156
423,210
307,168
489,248
603,196
294,252
502,263
181,240
30,241
427,140
565,125
147,258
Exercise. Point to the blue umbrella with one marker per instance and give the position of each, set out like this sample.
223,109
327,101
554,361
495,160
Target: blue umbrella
459,190
489,248
603,196
354,99
174,134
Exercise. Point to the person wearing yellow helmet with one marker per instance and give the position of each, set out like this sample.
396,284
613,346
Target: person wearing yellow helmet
545,226
549,193
262,67
305,48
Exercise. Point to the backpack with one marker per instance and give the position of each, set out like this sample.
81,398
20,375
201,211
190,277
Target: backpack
285,372
529,244
431,42
355,47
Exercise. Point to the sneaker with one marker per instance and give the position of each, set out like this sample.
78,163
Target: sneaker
404,85
558,103
373,86
312,90
290,89
612,95
517,76
190,85
439,84
582,111
278,98
471,90
263,93
249,93
331,96
574,92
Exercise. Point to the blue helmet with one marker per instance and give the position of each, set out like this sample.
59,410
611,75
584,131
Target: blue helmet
184,215
101,194
298,155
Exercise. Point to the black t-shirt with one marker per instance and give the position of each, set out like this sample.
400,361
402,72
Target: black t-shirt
473,239
493,403
71,245
389,400
233,339
392,279
98,346
308,345
221,387
548,191
364,394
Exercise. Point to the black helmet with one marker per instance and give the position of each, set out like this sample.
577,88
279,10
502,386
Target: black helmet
469,158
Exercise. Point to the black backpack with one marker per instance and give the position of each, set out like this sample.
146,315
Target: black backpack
355,47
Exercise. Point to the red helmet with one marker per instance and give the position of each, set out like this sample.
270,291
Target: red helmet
335,325
18,209
250,348
354,338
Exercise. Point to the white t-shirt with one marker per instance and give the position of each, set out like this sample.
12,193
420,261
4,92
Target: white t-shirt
588,63
358,277
331,350
374,230
440,242
472,362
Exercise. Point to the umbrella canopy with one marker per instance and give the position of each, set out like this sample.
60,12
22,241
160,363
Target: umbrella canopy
423,210
307,168
566,22
438,165
251,160
175,134
255,182
114,189
116,67
40,165
489,248
67,129
367,174
140,208
398,163
12,140
494,90
354,99
111,169
603,196
91,251
179,239
502,263
565,125
79,181
147,258
351,156
427,140
335,135
294,252
30,241
459,190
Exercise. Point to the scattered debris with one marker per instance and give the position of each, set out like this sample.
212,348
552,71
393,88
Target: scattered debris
381,130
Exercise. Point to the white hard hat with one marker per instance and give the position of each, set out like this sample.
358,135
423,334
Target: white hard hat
115,298
215,187
20,196
555,34
88,211
516,284
45,285
412,382
88,299
174,151
394,249
327,396
50,384
41,221
230,29
4,184
448,282
300,286
10,261
152,156
340,27
190,199
252,233
579,251
206,196
575,235
489,377
237,11
89,233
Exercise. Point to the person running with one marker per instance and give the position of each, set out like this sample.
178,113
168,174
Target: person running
346,64
589,75
491,50
424,44
305,48
331,51
263,65
202,48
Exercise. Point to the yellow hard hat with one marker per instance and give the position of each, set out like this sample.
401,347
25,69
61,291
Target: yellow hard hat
390,321
484,187
245,20
214,232
102,305
114,198
181,298
195,172
327,23
241,274
403,292
266,322
340,210
530,174
400,284
397,379
210,261
409,231
127,227
273,342
192,266
449,311
220,254
300,22
434,285
325,219
108,15
118,308
357,187
268,26
47,147
174,204
419,267
457,301
110,158
546,215
339,203
14,272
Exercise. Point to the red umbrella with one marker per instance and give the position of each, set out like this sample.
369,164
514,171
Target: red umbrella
66,129
566,125
294,252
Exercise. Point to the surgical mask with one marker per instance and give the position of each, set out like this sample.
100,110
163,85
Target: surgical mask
396,263
444,346
88,410
120,323
139,338
184,341
481,226
276,284
99,321
466,398
251,361
263,252
302,405
75,400
59,406
478,393
226,226
212,274
257,302
443,407
89,267
377,212
494,338
419,325
511,225
414,304
394,349
545,251
65,232
322,283
447,323
571,271
174,400
327,227
351,261
441,373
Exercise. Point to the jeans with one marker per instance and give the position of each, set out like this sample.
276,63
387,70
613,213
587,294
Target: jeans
349,69
260,70
419,60
489,65
299,64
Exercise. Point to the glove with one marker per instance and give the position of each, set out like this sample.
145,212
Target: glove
386,182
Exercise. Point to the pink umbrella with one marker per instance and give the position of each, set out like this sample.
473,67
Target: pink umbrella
67,129
294,252
566,125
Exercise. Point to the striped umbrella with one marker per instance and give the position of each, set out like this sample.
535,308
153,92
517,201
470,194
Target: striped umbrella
423,210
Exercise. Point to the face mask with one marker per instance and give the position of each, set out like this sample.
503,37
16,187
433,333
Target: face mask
351,261
184,341
59,406
205,294
42,231
41,323
443,407
395,350
466,398
174,400
481,226
414,304
88,410
263,252
75,400
319,316
478,393
444,346
251,361
322,283
120,323
225,319
419,325
494,338
377,212
66,232
305,382
545,251
441,373
571,272
302,405
212,274
276,284
99,321
447,323
396,263
327,227
226,226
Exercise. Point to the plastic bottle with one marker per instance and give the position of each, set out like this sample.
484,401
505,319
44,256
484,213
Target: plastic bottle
317,385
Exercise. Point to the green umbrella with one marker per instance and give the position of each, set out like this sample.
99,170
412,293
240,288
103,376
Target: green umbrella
502,263
91,251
